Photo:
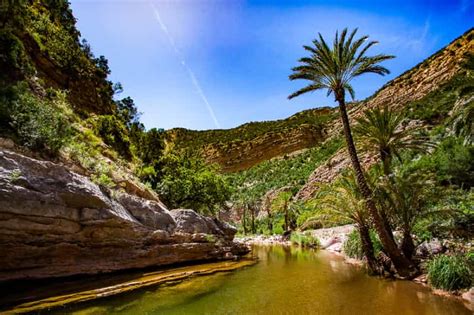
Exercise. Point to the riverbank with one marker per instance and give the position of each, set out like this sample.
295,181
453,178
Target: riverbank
332,240
116,284
286,280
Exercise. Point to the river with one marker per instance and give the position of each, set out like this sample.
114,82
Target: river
284,281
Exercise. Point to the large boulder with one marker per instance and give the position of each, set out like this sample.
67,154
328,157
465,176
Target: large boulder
55,222
188,221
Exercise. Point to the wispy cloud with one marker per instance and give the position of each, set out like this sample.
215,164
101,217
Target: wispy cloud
465,4
188,69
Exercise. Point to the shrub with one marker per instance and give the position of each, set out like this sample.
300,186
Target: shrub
451,162
304,240
450,272
13,58
189,182
114,133
37,123
352,247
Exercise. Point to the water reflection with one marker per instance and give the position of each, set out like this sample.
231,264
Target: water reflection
287,280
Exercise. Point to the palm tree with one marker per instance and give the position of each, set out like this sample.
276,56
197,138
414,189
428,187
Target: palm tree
407,197
281,204
383,131
333,69
343,201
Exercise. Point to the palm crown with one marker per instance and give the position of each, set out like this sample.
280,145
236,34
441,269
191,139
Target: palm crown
334,68
383,130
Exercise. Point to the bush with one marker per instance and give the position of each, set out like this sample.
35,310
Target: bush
13,58
352,247
114,133
451,162
37,123
304,240
189,182
450,272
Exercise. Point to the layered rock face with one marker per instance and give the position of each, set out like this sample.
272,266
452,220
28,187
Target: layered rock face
247,145
55,222
242,156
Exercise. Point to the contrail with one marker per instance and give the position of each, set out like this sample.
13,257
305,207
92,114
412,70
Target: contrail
180,55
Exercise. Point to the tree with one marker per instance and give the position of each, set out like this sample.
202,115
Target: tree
186,181
268,209
128,111
333,69
344,201
383,131
281,204
407,196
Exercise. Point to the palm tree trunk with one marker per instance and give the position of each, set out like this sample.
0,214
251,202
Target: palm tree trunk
368,249
269,218
386,161
253,219
408,248
244,219
385,157
404,266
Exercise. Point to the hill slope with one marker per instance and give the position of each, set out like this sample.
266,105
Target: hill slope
250,144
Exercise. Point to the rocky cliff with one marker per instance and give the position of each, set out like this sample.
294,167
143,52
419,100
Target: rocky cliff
55,222
245,146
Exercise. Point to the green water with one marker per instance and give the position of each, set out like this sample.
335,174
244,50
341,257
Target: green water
285,281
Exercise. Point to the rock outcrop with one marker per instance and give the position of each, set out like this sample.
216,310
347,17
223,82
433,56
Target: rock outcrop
243,155
55,222
242,147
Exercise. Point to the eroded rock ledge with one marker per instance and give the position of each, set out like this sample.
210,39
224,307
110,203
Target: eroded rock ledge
55,222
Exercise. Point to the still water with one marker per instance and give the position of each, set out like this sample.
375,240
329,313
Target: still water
285,281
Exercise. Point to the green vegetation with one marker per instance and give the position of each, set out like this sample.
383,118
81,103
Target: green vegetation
37,123
188,182
191,140
305,240
353,247
114,133
450,272
332,69
277,173
450,162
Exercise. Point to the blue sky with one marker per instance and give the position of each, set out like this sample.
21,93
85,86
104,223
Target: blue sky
206,64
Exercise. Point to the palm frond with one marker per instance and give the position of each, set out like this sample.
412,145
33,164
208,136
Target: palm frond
333,67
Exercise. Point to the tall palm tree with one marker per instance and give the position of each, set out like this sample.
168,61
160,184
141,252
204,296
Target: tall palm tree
333,69
382,131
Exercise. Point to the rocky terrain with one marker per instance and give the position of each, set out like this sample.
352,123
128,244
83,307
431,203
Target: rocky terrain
55,222
245,146
241,156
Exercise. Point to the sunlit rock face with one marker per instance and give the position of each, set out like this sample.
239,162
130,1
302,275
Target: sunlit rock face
55,222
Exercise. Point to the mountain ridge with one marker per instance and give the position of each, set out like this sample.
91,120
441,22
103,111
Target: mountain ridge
236,154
